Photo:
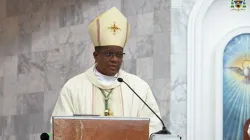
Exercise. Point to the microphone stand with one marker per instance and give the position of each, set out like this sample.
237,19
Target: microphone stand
164,129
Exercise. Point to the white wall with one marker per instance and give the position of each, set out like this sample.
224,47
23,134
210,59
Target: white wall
212,24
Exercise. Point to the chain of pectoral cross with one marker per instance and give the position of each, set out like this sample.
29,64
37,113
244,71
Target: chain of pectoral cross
107,111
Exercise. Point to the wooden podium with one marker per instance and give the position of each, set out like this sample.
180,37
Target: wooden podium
100,128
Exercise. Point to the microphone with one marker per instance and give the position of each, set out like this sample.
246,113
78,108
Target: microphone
164,129
44,136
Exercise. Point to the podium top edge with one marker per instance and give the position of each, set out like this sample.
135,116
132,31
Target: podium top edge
99,118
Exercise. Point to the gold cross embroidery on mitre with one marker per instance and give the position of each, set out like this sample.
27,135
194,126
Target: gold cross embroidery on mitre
114,28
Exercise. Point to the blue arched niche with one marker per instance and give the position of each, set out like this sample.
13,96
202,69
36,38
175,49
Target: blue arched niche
236,86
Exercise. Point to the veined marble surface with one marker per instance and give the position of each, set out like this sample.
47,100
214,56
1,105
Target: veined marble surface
44,43
180,11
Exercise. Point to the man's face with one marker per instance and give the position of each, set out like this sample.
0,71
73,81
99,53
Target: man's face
109,59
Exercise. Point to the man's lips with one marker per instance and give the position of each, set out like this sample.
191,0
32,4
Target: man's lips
113,67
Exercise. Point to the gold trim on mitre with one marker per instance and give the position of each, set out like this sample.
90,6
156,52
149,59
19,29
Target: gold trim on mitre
111,28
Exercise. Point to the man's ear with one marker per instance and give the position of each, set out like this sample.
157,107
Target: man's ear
95,54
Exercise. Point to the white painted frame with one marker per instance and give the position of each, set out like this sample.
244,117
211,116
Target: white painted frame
194,43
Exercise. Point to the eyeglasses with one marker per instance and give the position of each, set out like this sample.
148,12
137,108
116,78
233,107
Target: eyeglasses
111,54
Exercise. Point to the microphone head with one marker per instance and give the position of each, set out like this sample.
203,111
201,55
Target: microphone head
120,79
44,136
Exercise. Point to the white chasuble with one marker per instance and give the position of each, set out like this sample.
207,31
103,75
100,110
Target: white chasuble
82,95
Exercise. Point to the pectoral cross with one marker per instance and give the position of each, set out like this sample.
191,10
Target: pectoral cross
107,111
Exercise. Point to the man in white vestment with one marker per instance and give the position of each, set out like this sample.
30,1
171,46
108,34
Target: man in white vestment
97,91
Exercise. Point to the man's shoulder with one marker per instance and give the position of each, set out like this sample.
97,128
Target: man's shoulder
76,79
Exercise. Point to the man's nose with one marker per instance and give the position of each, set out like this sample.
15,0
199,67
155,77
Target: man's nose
114,58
